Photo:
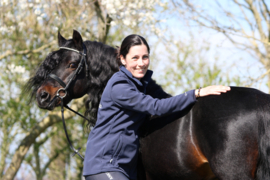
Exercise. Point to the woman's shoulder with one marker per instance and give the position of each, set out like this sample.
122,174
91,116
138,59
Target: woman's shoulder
118,77
117,83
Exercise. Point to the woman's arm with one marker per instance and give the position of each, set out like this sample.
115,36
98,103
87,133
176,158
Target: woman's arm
127,96
211,90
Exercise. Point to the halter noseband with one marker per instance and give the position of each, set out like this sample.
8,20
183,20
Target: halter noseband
65,88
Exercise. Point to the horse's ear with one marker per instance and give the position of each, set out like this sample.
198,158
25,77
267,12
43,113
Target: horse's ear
61,40
77,39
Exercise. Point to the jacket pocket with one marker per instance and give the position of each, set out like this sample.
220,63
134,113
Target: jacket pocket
117,150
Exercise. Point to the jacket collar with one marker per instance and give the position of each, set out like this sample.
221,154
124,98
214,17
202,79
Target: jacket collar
145,79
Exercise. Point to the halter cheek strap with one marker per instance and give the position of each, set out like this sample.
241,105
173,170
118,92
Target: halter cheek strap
53,76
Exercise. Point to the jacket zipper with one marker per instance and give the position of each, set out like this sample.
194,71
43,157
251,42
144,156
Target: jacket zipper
115,151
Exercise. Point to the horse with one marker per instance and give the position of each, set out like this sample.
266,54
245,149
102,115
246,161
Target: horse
223,137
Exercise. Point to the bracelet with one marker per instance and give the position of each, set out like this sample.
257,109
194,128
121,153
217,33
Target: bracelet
199,91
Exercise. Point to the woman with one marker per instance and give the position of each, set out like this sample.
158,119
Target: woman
113,143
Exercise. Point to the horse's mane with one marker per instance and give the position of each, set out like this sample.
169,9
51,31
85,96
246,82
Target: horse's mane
102,65
45,68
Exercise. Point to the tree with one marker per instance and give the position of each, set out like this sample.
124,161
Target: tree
245,23
27,33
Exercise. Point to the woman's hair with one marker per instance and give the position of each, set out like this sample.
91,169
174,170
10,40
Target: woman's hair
130,41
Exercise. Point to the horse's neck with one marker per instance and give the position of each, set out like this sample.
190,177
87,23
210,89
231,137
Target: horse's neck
156,91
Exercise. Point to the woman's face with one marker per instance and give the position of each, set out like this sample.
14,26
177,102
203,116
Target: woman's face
136,61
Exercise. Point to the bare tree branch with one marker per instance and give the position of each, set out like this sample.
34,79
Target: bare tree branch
27,51
51,159
257,17
37,167
261,77
244,13
266,7
240,4
101,23
263,11
26,144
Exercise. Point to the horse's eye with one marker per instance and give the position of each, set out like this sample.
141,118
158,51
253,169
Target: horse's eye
72,65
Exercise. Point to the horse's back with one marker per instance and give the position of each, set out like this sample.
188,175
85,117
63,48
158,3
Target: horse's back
218,137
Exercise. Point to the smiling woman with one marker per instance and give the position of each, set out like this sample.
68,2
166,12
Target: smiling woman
136,60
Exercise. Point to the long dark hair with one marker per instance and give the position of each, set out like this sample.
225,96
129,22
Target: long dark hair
128,42
102,66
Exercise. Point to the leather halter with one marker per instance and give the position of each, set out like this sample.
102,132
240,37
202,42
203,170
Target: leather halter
65,88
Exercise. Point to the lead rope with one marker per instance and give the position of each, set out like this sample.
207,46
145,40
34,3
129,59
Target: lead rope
75,151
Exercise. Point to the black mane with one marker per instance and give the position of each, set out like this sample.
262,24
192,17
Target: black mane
45,68
102,65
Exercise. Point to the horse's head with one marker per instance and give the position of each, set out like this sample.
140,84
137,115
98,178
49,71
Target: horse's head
58,71
59,67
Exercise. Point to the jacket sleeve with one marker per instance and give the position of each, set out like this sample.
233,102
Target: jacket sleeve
128,97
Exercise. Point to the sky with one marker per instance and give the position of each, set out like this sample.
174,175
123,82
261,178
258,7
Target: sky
235,61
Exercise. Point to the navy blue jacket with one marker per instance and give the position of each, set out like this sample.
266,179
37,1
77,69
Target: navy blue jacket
113,143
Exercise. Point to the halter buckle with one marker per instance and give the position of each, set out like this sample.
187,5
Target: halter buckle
58,93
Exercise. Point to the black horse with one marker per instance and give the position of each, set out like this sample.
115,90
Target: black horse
224,137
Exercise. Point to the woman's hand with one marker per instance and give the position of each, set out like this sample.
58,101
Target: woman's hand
211,90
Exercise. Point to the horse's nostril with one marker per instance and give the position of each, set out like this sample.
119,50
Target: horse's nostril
44,96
